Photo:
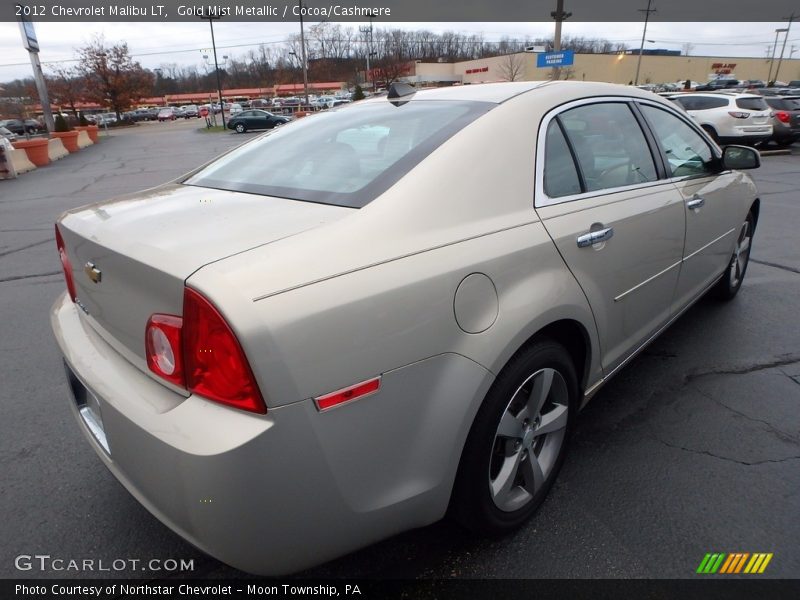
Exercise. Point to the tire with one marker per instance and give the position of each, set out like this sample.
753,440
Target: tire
732,278
240,128
498,487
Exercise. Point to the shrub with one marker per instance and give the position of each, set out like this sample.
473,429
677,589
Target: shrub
358,93
61,124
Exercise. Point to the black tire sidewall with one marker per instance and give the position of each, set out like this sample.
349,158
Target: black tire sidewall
472,504
240,128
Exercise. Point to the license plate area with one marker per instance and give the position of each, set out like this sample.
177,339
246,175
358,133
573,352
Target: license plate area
88,408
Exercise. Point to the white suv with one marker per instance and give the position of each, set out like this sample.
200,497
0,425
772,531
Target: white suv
729,117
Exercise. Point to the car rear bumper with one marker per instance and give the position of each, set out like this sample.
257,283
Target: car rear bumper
276,493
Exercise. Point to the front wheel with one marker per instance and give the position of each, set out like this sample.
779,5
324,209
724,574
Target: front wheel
517,442
240,128
732,279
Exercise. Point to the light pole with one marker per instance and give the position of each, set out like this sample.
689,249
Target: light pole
646,12
211,18
790,18
303,53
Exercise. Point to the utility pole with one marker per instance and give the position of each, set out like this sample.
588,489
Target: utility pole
303,53
646,12
368,32
772,60
790,18
559,16
211,16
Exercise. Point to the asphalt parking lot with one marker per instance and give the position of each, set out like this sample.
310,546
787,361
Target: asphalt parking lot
693,448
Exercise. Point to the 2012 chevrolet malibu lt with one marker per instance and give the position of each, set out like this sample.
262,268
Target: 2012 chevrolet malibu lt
363,319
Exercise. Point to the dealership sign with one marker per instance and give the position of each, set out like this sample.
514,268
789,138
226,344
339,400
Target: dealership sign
562,58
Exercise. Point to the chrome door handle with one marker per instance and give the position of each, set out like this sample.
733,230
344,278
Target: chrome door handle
593,237
696,203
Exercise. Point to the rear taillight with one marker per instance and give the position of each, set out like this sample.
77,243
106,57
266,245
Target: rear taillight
65,264
216,366
200,352
738,115
783,116
164,349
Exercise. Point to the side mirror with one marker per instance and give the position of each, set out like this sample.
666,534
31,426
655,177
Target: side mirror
740,157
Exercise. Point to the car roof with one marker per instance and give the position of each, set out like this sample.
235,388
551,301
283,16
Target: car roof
497,93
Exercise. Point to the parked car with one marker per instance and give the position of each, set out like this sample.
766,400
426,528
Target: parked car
729,117
20,127
719,84
143,114
190,111
785,119
309,345
235,108
255,119
167,114
8,134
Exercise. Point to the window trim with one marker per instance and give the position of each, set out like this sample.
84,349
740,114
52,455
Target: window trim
540,197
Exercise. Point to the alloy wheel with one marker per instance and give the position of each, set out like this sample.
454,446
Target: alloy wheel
528,439
741,255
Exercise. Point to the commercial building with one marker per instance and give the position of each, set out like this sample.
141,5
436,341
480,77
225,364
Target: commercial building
613,68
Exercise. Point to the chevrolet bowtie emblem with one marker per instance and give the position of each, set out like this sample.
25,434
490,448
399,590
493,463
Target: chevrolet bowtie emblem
92,272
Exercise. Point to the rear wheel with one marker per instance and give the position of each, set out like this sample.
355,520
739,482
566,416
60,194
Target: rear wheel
517,443
731,281
240,128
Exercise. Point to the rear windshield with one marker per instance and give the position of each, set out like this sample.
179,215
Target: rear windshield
346,157
752,103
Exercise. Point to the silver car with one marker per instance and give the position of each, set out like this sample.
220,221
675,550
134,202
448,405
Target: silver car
349,325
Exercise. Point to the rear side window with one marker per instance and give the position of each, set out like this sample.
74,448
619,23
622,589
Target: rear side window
609,144
346,157
560,174
778,103
752,103
701,102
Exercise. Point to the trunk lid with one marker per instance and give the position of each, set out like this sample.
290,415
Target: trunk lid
130,256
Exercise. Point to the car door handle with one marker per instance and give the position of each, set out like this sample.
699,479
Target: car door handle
593,237
696,203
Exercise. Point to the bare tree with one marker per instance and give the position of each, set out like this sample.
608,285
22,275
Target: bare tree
512,68
687,48
66,86
112,77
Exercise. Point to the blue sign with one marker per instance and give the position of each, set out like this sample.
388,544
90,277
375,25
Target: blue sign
562,58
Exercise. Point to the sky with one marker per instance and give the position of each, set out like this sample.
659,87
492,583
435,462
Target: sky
154,44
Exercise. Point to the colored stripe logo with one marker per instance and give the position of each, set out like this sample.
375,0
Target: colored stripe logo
736,562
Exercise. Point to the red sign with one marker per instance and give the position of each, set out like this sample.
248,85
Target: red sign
723,68
476,70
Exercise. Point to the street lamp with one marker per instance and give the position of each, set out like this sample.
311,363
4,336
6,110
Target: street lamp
211,17
303,52
774,49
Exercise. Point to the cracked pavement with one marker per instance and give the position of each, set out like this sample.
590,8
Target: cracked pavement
694,447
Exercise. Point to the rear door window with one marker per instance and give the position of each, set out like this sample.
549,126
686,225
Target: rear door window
610,146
